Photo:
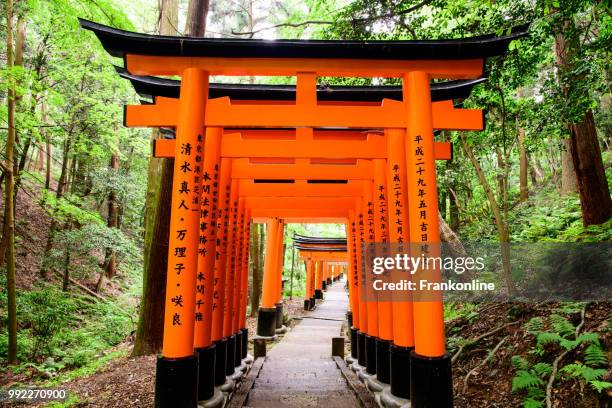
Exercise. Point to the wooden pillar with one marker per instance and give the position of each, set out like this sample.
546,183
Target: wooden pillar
209,184
208,233
385,310
268,297
353,283
431,379
238,264
176,378
244,286
266,318
370,237
363,310
219,284
399,237
230,263
280,260
245,267
220,255
308,264
372,301
280,257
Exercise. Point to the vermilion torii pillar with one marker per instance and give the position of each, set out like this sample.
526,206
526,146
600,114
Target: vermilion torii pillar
178,368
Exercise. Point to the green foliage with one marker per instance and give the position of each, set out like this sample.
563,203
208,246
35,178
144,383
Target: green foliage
557,330
531,380
600,386
45,312
594,355
534,325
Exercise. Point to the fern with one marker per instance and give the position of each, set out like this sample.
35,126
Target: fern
570,307
520,363
600,386
594,355
578,370
524,380
545,338
534,325
542,369
561,325
533,403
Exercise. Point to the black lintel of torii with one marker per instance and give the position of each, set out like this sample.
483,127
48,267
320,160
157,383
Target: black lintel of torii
119,43
150,87
320,248
302,239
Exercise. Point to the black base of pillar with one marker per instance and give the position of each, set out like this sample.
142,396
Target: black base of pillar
432,381
313,302
244,351
279,315
399,358
354,347
220,358
383,373
329,281
176,382
231,355
361,348
306,304
206,372
318,294
266,322
238,354
324,285
349,318
370,344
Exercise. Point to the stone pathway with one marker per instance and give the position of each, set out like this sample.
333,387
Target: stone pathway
299,371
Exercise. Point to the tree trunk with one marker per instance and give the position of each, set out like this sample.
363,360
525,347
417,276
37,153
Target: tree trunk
44,269
569,182
111,261
524,192
449,236
535,170
195,25
150,331
257,272
443,194
502,230
453,212
66,280
9,210
592,184
48,155
584,147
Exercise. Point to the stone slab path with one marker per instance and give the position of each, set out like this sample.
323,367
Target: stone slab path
299,371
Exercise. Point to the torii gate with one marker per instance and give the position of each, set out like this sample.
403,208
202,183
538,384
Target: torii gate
408,125
314,250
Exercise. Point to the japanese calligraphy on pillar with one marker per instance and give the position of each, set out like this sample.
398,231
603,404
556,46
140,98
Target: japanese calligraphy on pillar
420,175
354,252
185,211
221,248
209,183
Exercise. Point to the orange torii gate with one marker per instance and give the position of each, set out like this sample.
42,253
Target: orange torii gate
208,217
314,251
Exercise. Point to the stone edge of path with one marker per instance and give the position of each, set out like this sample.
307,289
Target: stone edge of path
363,394
241,394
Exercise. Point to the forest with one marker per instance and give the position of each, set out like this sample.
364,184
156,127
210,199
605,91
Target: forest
85,206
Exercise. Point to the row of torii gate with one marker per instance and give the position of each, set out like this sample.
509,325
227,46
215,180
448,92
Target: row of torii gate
361,156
